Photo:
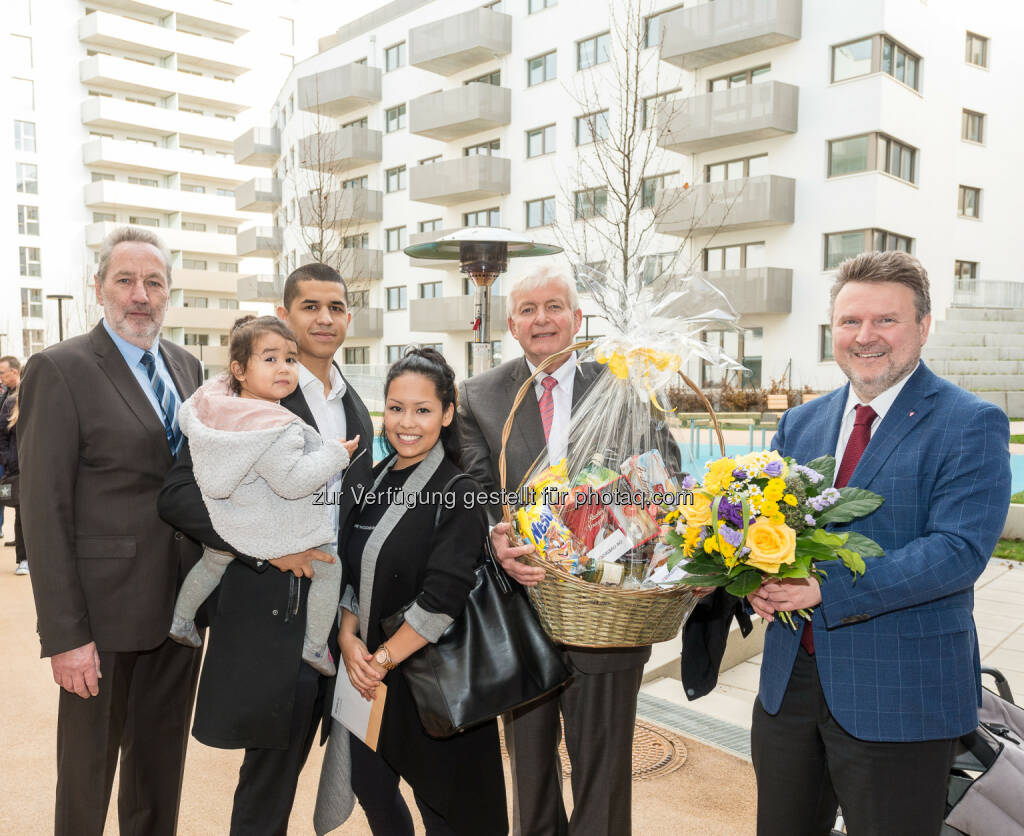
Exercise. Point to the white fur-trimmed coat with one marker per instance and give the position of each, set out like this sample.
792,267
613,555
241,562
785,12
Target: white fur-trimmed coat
261,471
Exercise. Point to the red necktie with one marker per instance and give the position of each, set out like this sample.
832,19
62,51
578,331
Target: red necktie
855,447
547,404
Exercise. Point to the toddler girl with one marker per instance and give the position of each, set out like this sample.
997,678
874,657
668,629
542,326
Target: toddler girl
259,468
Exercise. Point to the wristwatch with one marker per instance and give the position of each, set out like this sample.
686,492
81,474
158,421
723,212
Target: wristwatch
383,658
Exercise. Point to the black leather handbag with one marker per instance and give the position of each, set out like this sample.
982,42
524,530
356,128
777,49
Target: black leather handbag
491,659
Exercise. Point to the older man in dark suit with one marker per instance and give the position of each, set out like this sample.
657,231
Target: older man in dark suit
96,434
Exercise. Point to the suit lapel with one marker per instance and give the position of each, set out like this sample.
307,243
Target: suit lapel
910,407
296,402
527,421
185,385
833,420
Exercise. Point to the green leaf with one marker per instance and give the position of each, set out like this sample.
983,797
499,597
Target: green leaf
672,538
674,558
852,561
705,580
704,566
853,504
745,583
864,546
794,570
827,538
806,546
826,466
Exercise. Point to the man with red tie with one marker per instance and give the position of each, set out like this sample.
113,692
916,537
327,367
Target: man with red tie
860,707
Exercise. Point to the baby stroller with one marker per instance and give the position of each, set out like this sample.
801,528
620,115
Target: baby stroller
985,792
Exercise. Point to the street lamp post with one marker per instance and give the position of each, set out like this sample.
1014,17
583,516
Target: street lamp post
61,298
483,254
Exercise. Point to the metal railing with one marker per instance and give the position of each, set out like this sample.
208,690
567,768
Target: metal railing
977,293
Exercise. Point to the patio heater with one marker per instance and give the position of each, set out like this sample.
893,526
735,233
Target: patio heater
483,253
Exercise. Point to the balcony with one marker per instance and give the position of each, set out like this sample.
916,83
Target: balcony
342,209
112,73
262,194
260,289
460,180
450,313
138,157
361,264
755,290
340,150
211,356
259,241
367,323
258,146
213,319
205,281
461,111
201,243
218,18
115,114
461,41
102,30
106,195
714,32
426,237
340,90
729,117
745,203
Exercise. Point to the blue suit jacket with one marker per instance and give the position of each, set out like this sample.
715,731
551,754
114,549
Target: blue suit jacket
897,651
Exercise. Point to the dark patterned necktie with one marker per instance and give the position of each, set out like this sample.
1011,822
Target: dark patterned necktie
168,400
855,447
547,404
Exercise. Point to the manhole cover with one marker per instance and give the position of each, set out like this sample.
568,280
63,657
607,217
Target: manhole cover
655,752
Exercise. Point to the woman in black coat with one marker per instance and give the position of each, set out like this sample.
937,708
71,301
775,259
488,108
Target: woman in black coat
394,556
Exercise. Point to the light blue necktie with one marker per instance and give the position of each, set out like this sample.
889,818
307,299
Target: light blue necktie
168,400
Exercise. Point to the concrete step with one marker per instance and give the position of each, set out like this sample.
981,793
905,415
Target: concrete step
988,382
970,326
986,314
945,339
947,368
1012,403
988,353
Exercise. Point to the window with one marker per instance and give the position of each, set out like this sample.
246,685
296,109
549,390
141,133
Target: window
540,141
590,202
104,218
968,202
540,212
592,127
195,301
196,339
651,105
144,181
395,238
840,246
28,259
394,57
138,220
21,52
972,126
430,226
359,356
735,257
397,298
32,302
430,160
223,229
356,242
740,79
483,149
737,169
98,176
431,290
28,220
227,267
134,100
653,27
593,51
225,193
483,217
227,304
394,353
542,68
357,123
965,273
193,263
358,299
356,183
825,343
876,54
27,177
650,187
977,50
493,77
24,136
189,187
395,118
872,152
653,267
540,5
396,179
193,226
31,341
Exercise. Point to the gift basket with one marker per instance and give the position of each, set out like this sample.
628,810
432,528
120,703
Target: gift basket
599,517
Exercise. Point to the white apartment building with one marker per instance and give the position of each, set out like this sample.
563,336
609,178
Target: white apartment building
125,112
804,131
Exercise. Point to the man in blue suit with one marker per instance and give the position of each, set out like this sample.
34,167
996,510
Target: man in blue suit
863,705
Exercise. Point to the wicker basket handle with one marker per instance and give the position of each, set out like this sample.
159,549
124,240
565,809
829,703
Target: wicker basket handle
528,385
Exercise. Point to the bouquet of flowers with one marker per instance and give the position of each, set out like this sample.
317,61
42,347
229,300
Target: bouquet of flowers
762,516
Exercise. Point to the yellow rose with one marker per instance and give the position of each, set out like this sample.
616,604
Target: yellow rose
700,512
771,544
719,475
774,489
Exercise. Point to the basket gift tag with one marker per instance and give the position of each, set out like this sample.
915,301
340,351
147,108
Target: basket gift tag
611,548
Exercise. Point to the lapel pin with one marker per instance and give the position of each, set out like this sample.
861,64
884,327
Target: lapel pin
911,413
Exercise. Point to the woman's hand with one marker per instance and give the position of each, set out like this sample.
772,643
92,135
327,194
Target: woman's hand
363,675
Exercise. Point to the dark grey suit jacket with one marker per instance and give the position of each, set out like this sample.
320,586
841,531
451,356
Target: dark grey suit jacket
93,455
485,402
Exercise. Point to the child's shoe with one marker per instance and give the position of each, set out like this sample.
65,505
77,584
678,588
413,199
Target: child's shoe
183,631
319,658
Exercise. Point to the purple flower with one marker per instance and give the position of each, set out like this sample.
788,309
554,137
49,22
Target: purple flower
731,535
812,475
809,520
773,468
739,473
689,483
731,512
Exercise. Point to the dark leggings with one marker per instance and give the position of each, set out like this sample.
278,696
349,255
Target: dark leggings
376,786
19,539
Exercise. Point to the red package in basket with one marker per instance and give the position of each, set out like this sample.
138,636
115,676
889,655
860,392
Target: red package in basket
587,519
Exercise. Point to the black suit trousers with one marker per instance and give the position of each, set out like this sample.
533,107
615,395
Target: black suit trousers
807,765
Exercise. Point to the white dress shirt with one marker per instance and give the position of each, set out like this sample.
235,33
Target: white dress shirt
561,396
329,414
881,404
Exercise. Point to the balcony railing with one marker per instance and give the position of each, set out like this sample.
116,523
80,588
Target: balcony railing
258,146
745,203
461,111
450,313
337,91
461,41
982,293
338,151
755,290
366,324
460,180
342,208
262,194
